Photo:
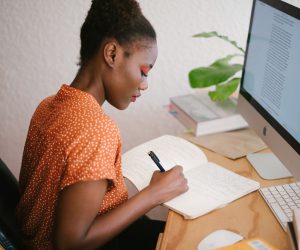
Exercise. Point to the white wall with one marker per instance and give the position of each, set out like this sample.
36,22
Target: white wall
40,46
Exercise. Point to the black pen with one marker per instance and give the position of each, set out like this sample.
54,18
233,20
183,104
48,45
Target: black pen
156,161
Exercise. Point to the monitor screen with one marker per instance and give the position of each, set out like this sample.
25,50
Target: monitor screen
270,87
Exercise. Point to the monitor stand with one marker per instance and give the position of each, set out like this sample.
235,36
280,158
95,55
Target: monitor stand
268,166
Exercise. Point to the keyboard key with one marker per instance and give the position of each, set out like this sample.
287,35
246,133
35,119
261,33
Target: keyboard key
277,209
265,191
269,196
287,210
279,188
271,200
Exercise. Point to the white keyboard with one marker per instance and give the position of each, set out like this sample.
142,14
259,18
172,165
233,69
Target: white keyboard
282,199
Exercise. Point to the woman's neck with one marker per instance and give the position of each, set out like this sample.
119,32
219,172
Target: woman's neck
88,82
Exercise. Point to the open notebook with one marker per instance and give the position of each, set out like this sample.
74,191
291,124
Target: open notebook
210,185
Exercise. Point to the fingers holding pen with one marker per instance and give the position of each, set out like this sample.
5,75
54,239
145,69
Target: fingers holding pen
178,179
182,181
169,184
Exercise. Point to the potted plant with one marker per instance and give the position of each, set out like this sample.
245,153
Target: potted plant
220,73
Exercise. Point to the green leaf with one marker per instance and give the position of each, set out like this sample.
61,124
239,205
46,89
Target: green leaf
216,73
215,34
223,91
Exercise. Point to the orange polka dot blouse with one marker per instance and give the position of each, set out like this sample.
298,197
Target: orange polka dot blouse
70,139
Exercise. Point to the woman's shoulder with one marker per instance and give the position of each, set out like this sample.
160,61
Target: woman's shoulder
85,114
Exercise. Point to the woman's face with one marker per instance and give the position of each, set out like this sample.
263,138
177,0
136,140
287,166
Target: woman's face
129,75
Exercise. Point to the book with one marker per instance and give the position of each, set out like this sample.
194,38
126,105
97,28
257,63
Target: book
210,186
296,227
203,116
292,239
250,244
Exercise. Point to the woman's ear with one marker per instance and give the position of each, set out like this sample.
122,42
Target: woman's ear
110,53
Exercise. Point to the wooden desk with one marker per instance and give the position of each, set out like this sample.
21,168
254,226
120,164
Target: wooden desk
248,216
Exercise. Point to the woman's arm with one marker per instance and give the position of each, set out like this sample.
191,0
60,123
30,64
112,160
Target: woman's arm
77,224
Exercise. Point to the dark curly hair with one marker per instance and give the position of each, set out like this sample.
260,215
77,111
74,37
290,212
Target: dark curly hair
119,19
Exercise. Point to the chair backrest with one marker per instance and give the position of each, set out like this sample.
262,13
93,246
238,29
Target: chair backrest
9,198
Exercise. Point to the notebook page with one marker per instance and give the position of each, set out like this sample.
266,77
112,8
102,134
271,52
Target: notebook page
210,187
138,167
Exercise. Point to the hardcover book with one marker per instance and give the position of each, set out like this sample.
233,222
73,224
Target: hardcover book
203,116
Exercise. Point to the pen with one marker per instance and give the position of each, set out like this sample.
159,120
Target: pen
156,161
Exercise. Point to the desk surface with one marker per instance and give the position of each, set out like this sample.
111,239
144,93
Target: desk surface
248,216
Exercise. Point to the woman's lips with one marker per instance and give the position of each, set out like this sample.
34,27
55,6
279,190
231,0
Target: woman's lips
134,97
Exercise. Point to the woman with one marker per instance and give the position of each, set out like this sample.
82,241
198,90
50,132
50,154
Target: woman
73,192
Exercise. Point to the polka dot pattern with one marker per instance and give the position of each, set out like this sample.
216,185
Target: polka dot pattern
70,139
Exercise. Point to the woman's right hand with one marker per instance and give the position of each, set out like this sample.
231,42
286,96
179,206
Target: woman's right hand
167,185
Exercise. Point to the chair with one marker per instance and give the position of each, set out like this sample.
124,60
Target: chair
10,236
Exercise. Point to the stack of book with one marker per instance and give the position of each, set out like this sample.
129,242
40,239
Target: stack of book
203,116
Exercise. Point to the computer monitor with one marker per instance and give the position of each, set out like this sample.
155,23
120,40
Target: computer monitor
269,98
